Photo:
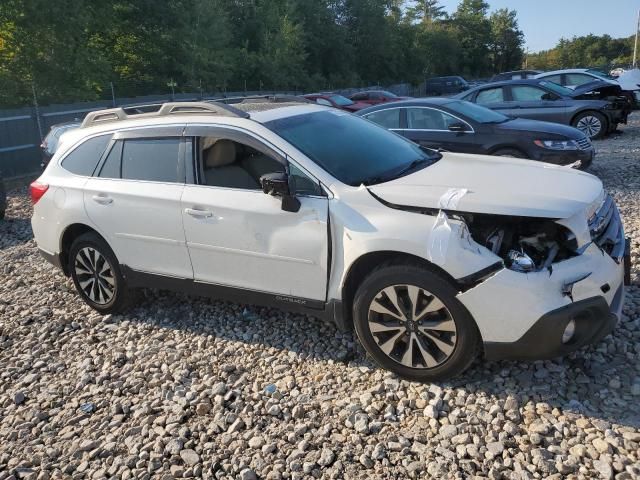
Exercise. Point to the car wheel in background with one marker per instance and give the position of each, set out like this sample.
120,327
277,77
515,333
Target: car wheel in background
409,320
96,274
509,152
592,124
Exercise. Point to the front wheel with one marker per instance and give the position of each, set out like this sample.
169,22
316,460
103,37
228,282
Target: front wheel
592,124
409,320
96,274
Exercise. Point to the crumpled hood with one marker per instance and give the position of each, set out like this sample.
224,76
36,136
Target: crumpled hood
496,185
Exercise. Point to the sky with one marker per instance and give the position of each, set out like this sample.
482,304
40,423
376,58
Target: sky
544,22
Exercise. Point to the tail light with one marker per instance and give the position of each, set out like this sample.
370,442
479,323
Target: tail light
37,190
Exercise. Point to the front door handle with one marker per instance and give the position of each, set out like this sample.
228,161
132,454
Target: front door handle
198,213
102,199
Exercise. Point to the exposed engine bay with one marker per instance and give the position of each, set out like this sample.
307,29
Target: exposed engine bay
524,244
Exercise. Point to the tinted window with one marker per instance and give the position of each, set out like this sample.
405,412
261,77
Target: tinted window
555,79
525,93
322,101
340,100
577,79
477,112
386,118
428,119
111,167
301,183
151,159
84,159
351,149
360,96
489,96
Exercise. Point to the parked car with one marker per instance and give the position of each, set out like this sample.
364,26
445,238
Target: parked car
336,101
445,85
576,77
548,101
515,75
374,97
50,143
464,127
3,199
428,256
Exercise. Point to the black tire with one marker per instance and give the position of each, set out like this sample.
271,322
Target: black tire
467,336
584,119
509,152
120,296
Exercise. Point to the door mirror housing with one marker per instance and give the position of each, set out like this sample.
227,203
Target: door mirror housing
549,96
458,127
277,185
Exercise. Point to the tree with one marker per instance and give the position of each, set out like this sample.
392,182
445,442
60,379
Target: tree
474,34
426,11
506,41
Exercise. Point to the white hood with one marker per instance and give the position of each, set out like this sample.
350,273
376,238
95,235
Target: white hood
496,185
630,80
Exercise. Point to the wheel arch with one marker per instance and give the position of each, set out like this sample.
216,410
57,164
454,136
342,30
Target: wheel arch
508,146
591,110
364,265
71,232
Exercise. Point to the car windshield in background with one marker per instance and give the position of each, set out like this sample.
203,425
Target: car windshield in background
353,150
341,101
559,89
388,94
477,112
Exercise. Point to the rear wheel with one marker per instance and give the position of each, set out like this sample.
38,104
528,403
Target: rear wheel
96,274
509,152
592,124
409,320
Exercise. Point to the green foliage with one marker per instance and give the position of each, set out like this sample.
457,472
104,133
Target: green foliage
73,50
588,51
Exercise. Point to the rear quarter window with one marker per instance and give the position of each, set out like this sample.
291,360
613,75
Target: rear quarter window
84,158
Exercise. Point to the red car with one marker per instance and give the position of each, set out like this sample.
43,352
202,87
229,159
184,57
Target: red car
375,97
337,101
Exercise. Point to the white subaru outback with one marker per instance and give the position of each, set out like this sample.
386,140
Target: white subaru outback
431,257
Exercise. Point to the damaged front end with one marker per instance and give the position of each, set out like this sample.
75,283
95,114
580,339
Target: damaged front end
524,244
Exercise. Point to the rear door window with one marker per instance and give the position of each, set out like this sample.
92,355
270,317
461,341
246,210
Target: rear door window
84,159
111,166
428,119
577,79
490,95
151,159
389,119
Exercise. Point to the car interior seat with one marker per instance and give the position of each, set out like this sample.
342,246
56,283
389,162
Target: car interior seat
221,168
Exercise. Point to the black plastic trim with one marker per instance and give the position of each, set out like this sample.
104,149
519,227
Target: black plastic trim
594,321
475,279
137,279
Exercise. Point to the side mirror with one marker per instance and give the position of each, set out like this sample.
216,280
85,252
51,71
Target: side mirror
457,127
277,185
549,96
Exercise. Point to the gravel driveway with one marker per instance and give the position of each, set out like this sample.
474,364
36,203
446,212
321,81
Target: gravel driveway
188,387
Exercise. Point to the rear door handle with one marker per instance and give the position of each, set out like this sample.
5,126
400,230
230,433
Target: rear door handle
198,213
102,199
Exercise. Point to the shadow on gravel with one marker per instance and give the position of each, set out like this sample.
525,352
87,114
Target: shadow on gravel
583,383
14,231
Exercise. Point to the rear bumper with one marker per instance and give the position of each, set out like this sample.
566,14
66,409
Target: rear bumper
594,319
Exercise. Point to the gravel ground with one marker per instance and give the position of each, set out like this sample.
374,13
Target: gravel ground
188,387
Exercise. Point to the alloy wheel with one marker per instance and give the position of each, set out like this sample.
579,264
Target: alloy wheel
590,125
95,275
412,326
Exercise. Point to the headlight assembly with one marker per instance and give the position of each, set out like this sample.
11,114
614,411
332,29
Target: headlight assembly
557,144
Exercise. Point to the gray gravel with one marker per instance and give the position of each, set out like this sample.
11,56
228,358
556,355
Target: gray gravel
188,387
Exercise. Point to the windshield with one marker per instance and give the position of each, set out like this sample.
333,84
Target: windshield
600,74
353,150
559,89
388,94
477,112
340,100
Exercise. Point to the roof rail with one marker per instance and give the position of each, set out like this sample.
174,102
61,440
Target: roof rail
261,99
161,109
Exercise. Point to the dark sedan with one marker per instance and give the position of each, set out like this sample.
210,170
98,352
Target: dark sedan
464,127
548,101
375,97
336,101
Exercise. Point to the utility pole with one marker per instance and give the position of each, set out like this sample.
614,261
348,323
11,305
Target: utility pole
635,47
113,95
37,108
